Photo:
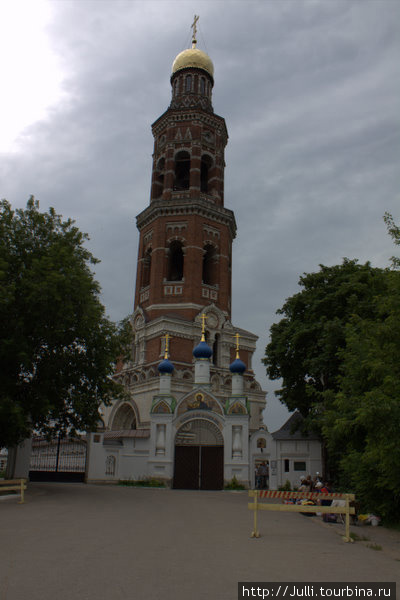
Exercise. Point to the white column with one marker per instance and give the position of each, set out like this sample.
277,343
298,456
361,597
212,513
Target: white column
237,441
160,440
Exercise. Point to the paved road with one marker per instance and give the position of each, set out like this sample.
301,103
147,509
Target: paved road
88,542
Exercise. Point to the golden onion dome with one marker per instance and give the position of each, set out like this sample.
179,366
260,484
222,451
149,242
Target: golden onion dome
192,57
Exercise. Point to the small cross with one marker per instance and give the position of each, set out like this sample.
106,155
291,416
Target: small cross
194,27
237,336
166,337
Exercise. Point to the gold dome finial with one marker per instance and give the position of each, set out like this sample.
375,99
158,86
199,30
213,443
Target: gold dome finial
193,57
194,27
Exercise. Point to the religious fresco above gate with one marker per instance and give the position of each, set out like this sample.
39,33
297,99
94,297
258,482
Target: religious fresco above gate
237,409
161,408
199,401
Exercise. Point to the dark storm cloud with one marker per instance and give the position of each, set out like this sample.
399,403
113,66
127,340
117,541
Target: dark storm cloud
309,90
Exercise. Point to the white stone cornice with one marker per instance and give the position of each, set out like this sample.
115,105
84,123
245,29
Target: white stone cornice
186,305
184,207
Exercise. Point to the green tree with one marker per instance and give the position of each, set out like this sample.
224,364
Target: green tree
394,232
362,424
57,348
304,346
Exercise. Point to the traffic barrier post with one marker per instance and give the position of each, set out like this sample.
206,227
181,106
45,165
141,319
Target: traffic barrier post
14,485
347,510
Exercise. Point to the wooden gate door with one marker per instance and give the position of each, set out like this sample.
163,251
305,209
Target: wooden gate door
199,456
212,468
186,471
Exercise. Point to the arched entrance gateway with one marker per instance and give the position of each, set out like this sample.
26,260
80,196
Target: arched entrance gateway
199,456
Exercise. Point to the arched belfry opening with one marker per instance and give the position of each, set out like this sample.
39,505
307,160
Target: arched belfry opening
206,164
182,171
175,261
159,178
146,268
199,456
209,275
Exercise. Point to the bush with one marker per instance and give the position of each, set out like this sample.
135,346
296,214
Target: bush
286,487
145,482
234,485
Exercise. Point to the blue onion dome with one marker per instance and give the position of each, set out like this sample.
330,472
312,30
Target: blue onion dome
202,350
237,366
165,366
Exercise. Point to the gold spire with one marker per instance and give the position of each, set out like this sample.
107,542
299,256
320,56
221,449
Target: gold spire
237,336
194,27
166,337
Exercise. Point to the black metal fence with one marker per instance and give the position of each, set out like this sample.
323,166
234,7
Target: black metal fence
60,459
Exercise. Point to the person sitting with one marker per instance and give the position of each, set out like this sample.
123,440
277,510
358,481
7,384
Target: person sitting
326,489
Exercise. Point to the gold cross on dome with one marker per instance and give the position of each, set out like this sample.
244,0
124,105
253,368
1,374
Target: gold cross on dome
166,337
203,327
237,336
194,27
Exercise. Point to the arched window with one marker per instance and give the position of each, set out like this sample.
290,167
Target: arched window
209,265
110,465
175,264
125,418
188,83
215,348
202,85
206,163
182,171
146,268
160,169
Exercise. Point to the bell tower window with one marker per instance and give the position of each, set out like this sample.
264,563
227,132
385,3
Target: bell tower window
182,171
206,164
146,269
188,83
209,265
175,264
159,178
202,85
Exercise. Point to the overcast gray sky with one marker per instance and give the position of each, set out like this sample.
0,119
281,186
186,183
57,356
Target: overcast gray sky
310,92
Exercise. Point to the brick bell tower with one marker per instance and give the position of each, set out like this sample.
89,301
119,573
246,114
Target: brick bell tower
186,233
184,265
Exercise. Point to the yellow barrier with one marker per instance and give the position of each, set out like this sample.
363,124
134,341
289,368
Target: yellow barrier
347,510
14,485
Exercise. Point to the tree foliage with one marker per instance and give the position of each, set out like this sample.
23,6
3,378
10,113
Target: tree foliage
394,232
57,348
362,424
337,350
304,345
